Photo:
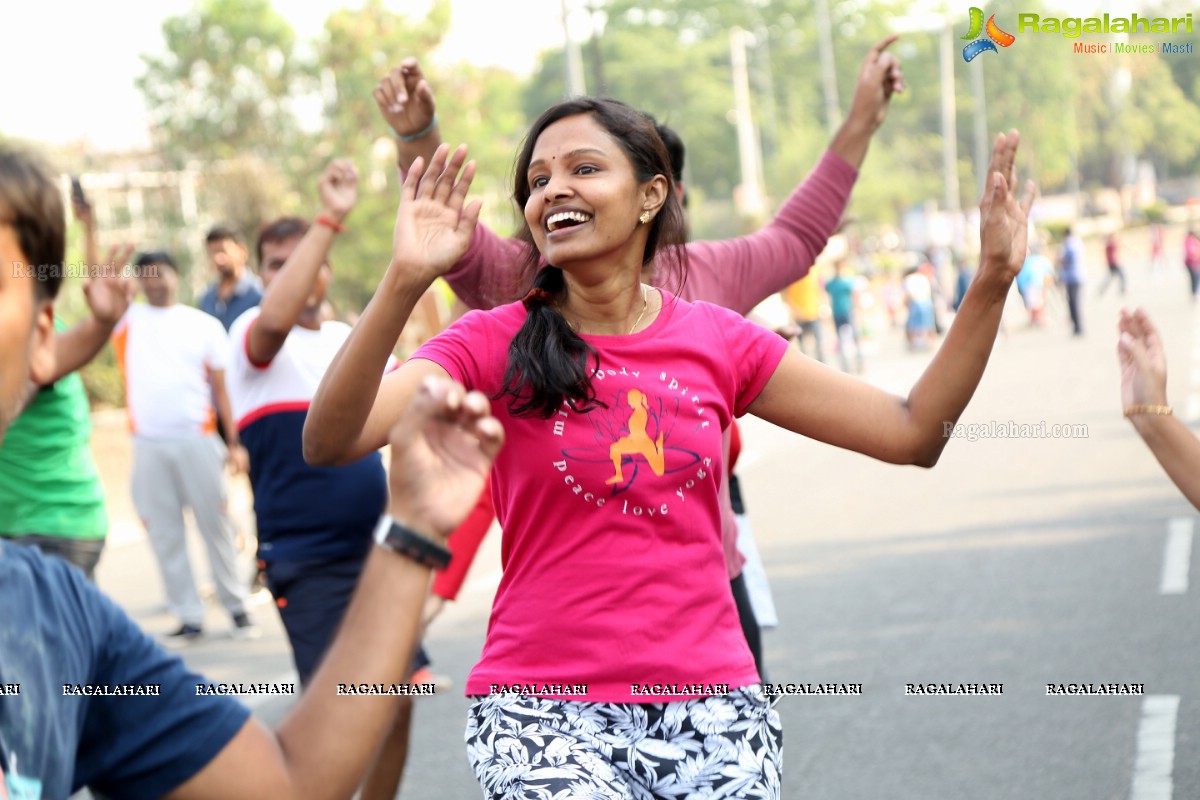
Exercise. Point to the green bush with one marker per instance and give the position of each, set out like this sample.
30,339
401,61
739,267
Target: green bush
1154,213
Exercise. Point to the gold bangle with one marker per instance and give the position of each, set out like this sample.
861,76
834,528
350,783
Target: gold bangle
1147,409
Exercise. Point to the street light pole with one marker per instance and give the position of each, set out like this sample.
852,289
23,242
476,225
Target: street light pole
949,122
982,153
833,112
575,84
751,203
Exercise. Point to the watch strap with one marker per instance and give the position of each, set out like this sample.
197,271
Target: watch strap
400,538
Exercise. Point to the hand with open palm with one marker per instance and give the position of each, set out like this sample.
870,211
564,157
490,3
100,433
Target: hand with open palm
1003,219
434,223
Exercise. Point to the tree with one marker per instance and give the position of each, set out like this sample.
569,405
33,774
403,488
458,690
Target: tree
226,84
360,47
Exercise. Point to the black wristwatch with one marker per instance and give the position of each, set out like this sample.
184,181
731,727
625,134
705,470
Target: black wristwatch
402,539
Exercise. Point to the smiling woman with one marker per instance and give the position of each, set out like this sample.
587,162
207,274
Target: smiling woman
588,212
618,394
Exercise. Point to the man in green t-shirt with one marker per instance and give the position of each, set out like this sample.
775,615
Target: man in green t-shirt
50,492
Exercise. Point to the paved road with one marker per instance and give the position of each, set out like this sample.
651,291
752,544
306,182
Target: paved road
1021,562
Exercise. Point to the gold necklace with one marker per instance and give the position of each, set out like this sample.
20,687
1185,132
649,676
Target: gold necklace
574,326
645,305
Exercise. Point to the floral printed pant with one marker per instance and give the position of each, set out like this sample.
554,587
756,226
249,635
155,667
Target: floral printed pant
529,748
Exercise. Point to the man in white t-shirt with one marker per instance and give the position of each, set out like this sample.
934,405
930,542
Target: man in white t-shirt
173,359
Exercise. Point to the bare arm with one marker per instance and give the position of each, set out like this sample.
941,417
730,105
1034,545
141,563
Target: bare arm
108,295
287,295
406,102
238,459
878,80
1144,383
352,411
815,401
740,273
441,452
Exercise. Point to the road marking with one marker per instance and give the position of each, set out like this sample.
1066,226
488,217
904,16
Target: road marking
1155,749
1178,556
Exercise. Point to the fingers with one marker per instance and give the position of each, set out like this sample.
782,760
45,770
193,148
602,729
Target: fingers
1143,328
341,169
458,195
119,254
470,217
437,165
1133,350
400,86
880,46
383,98
1028,197
412,181
425,94
1013,140
444,400
893,79
444,184
1130,350
1004,162
449,181
411,69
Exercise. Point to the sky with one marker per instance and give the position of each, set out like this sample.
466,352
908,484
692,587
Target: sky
84,88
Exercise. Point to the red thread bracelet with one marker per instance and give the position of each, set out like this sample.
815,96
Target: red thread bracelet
330,223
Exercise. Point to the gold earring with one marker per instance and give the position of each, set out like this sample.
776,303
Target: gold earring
644,218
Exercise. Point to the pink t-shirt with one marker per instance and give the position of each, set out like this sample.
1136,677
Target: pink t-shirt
737,274
614,573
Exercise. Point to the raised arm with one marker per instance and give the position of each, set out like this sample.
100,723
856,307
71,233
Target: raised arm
740,273
352,412
406,102
108,295
287,295
815,401
1144,397
442,451
485,276
879,78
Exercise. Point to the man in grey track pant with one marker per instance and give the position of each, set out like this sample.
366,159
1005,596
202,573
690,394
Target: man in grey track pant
173,359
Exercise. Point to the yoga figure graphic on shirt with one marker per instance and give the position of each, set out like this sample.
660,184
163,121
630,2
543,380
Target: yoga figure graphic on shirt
638,441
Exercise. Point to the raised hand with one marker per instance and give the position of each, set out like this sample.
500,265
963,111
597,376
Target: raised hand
405,99
1143,361
338,187
433,229
879,79
110,291
442,450
1003,220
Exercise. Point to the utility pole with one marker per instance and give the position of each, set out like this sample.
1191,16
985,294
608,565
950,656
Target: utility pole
597,55
949,123
575,84
833,109
751,202
982,140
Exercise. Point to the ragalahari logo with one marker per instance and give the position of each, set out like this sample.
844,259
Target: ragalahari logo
995,36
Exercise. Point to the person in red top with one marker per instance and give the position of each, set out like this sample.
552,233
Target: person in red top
615,596
1112,251
1191,260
